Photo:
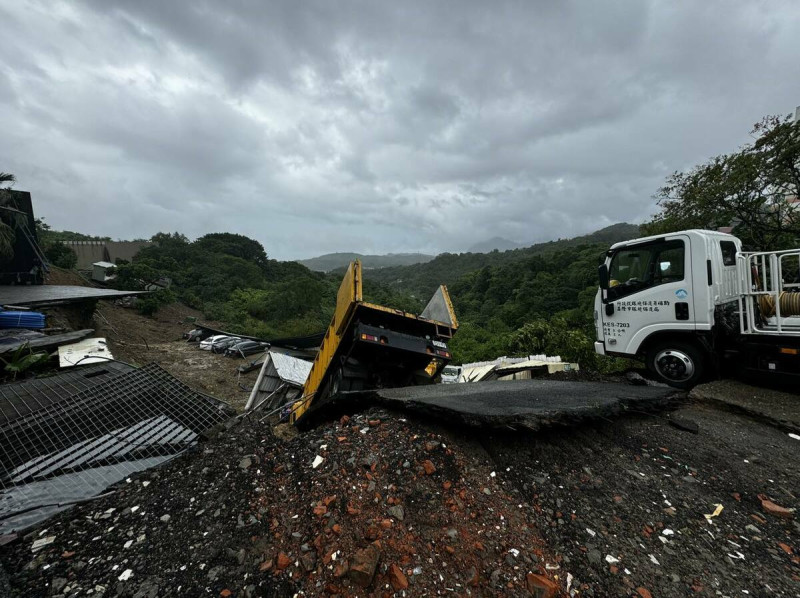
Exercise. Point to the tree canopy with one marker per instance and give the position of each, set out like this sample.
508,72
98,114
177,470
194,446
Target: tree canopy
754,190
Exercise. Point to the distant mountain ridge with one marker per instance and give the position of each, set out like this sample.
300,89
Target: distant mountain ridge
333,261
495,243
421,280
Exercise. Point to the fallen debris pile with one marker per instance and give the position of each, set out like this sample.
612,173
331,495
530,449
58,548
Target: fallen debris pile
372,505
637,507
381,504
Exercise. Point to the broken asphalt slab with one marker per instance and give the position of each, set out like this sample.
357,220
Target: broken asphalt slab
777,408
518,404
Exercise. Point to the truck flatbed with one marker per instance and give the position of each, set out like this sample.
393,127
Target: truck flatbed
371,346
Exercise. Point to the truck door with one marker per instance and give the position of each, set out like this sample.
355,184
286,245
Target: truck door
650,287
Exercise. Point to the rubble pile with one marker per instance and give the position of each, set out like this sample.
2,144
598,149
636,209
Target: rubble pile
373,505
638,507
379,502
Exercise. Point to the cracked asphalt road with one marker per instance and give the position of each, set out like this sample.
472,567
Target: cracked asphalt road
528,404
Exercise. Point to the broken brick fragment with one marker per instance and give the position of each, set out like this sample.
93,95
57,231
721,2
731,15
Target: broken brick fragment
397,578
776,510
283,561
540,586
364,564
429,467
341,569
644,592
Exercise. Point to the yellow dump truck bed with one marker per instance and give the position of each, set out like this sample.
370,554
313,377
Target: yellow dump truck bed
368,345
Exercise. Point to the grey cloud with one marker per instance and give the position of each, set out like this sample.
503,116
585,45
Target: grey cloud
375,126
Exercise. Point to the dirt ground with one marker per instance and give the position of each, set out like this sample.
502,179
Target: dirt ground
139,340
627,507
625,503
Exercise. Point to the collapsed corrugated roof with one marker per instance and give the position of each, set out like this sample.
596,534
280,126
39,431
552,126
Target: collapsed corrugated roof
72,438
290,369
280,381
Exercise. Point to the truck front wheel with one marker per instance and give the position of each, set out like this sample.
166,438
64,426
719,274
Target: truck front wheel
677,363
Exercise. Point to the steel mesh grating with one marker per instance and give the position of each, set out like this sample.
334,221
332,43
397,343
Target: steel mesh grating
76,446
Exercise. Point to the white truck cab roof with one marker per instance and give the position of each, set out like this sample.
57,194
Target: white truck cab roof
693,232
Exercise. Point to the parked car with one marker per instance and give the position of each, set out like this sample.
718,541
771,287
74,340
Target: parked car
245,348
450,374
220,346
193,335
209,342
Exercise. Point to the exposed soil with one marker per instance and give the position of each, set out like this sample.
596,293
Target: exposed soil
773,405
139,340
624,503
252,515
608,509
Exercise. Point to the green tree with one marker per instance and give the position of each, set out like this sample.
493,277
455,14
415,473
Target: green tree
60,255
7,236
750,189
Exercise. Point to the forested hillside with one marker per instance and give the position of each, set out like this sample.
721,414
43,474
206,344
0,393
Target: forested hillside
532,300
231,278
421,280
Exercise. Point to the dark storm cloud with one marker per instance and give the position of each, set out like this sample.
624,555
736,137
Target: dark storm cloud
376,126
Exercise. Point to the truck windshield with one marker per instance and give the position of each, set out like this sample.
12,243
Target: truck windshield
643,266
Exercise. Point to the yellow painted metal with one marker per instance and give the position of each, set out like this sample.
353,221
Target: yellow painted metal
389,310
450,310
349,296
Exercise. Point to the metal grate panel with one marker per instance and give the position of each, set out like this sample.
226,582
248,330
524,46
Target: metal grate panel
83,442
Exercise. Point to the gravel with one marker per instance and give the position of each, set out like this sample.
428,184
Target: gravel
401,506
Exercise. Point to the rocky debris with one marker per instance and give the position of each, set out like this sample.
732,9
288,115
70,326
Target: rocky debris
624,504
540,586
776,510
365,562
397,578
249,515
613,509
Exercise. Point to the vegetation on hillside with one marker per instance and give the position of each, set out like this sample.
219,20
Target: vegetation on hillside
544,304
754,190
422,280
231,278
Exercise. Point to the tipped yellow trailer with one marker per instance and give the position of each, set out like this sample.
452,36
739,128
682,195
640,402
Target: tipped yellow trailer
372,346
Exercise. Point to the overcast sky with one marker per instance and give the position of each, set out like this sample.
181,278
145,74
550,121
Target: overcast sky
378,126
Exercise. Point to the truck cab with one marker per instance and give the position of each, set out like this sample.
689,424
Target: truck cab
692,301
660,298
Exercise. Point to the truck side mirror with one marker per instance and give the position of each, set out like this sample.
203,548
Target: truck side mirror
602,272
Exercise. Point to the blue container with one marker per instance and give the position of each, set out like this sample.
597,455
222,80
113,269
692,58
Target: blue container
21,319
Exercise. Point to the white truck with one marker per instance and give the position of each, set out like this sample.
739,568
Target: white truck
691,302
